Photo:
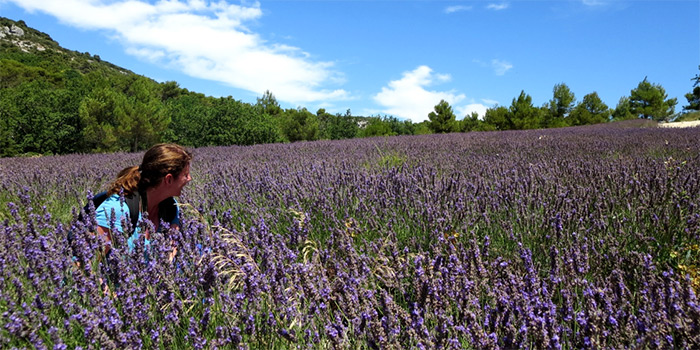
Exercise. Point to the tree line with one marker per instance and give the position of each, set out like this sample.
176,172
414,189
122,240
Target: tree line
647,101
55,102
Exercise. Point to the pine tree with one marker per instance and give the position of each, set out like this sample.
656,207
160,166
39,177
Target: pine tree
650,101
442,119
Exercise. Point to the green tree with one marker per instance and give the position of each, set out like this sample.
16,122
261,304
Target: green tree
422,128
144,119
650,101
191,115
400,127
8,143
197,120
269,104
591,110
13,73
694,96
377,126
39,118
258,129
442,119
559,107
498,118
100,113
325,119
693,100
73,91
387,126
623,110
300,125
9,137
236,123
470,122
340,126
170,90
523,114
223,124
124,113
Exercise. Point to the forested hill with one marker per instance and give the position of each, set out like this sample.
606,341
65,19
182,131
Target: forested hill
56,101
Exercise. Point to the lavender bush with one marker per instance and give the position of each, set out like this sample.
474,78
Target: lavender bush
567,238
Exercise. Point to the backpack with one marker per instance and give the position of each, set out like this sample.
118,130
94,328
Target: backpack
132,201
167,209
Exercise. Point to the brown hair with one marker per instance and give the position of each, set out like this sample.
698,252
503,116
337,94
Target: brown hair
159,161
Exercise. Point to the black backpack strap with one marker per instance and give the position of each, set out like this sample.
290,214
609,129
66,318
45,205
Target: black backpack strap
99,198
167,209
96,201
133,201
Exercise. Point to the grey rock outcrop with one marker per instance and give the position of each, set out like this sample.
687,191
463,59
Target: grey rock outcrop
14,35
14,30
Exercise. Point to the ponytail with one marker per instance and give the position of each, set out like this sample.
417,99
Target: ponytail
127,179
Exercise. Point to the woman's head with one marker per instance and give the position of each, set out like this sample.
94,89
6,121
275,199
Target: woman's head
158,162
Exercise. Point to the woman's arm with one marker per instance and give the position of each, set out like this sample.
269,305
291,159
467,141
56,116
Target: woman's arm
105,232
172,254
174,225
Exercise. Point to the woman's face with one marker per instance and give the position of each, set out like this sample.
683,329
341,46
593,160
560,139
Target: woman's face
181,180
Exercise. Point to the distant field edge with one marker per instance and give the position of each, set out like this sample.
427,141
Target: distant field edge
688,124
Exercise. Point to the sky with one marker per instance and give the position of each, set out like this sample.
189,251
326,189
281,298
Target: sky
389,57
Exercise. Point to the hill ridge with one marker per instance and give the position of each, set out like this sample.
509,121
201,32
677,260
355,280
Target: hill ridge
17,35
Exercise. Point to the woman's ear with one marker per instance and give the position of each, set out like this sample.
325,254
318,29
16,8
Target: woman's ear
168,179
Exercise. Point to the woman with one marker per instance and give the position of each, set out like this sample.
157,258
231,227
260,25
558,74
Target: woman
164,171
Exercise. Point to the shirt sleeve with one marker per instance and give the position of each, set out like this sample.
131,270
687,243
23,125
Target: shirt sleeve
110,206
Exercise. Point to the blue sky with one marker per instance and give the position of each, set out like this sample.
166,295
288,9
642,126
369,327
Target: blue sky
386,57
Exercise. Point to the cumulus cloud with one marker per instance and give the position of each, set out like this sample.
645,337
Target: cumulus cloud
457,8
498,7
409,97
204,39
466,110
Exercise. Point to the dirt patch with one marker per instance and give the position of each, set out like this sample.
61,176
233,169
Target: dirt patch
680,124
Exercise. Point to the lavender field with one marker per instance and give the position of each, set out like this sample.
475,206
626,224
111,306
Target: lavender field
563,238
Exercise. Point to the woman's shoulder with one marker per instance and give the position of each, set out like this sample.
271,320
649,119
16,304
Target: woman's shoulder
111,201
111,205
114,201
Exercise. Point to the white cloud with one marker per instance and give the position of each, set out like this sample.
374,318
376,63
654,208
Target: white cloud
498,7
409,98
147,54
489,102
593,2
467,110
479,108
204,39
457,8
500,66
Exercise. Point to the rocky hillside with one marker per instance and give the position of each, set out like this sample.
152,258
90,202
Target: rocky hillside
17,40
14,34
